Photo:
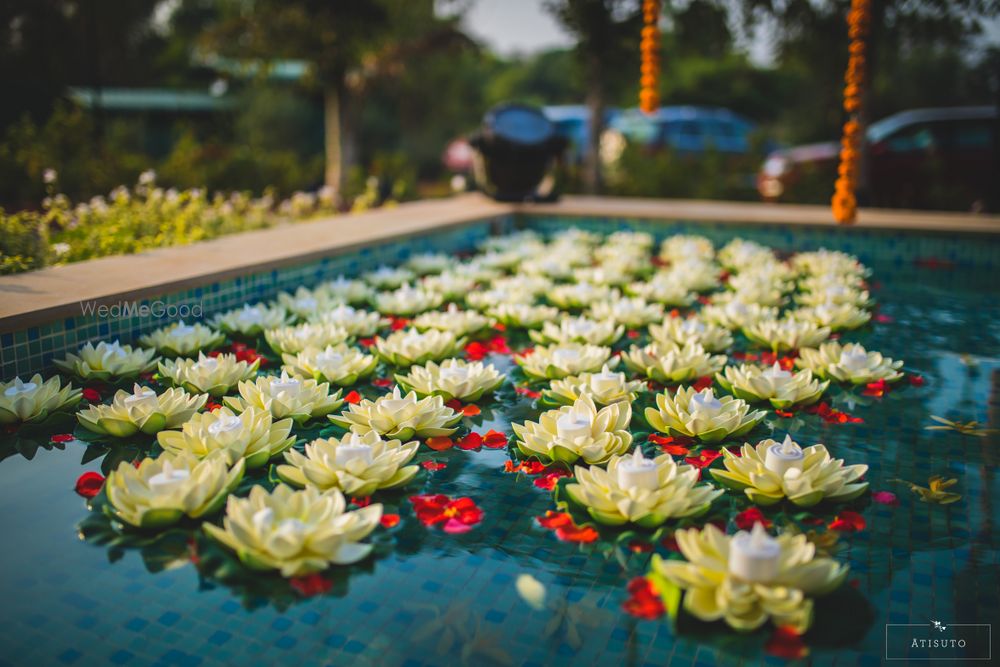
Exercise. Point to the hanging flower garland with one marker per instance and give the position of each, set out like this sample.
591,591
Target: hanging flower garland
649,96
844,203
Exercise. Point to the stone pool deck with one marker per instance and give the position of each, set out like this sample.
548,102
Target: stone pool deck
38,297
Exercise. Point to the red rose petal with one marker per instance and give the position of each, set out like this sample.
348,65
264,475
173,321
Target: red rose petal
92,395
640,547
471,410
352,398
440,444
524,391
89,484
362,502
495,439
434,465
472,442
746,519
848,522
310,585
389,520
61,437
644,601
553,520
383,382
574,533
398,323
916,380
703,383
704,458
476,351
366,342
885,498
632,333
549,480
786,643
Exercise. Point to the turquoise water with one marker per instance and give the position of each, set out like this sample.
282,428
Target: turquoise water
76,593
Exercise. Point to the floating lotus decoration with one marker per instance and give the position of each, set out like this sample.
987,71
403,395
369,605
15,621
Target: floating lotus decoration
534,285
458,322
487,300
409,347
338,364
740,254
645,492
108,361
776,275
451,285
251,320
300,400
579,330
672,364
605,387
786,334
358,465
387,277
850,362
761,293
577,432
252,435
663,289
701,415
735,314
749,578
680,331
837,317
34,400
295,339
295,532
453,379
836,294
401,417
522,315
611,275
781,388
579,295
550,267
180,339
631,312
828,262
559,361
161,491
772,471
693,274
428,263
407,301
305,303
345,290
208,375
682,247
142,410
356,322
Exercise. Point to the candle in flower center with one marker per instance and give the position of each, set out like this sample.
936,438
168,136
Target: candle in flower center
692,326
853,358
181,330
206,364
20,388
754,556
705,402
736,310
396,404
572,425
784,456
285,384
168,478
638,472
113,350
605,380
143,396
565,356
454,373
352,448
777,373
250,314
580,327
329,358
225,424
342,312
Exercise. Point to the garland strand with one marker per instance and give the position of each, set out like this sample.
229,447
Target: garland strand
844,202
649,96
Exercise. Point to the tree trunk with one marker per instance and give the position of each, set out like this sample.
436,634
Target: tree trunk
592,181
338,125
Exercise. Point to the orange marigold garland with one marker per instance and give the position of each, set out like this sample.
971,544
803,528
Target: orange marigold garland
649,96
844,203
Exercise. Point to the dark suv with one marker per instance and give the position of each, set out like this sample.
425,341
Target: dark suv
923,158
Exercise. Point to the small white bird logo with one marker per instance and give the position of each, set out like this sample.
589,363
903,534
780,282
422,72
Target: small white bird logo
939,626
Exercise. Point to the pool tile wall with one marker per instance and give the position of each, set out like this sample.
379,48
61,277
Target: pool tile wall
32,350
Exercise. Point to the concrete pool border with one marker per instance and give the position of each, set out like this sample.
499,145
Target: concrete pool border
40,312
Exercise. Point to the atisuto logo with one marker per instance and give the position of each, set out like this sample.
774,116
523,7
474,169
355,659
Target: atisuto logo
938,640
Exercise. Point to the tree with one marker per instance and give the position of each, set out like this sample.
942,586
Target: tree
607,45
349,45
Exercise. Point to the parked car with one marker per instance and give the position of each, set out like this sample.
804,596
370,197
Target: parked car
572,123
686,129
921,158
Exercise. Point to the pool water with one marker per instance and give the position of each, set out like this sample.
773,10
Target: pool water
76,592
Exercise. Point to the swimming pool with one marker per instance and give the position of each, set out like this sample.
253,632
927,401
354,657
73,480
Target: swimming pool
75,596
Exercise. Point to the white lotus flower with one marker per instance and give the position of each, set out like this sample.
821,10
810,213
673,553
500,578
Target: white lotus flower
605,387
836,295
407,347
356,322
759,292
285,396
251,320
740,254
344,290
633,312
837,317
252,435
850,362
358,465
108,361
428,263
161,491
701,415
693,274
554,268
559,361
664,289
786,334
523,316
579,295
735,314
828,261
459,322
646,492
208,375
453,379
488,299
34,400
295,532
303,336
605,274
681,331
578,431
142,410
337,364
385,277
672,364
407,301
781,388
681,247
535,285
401,417
180,339
451,285
579,330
